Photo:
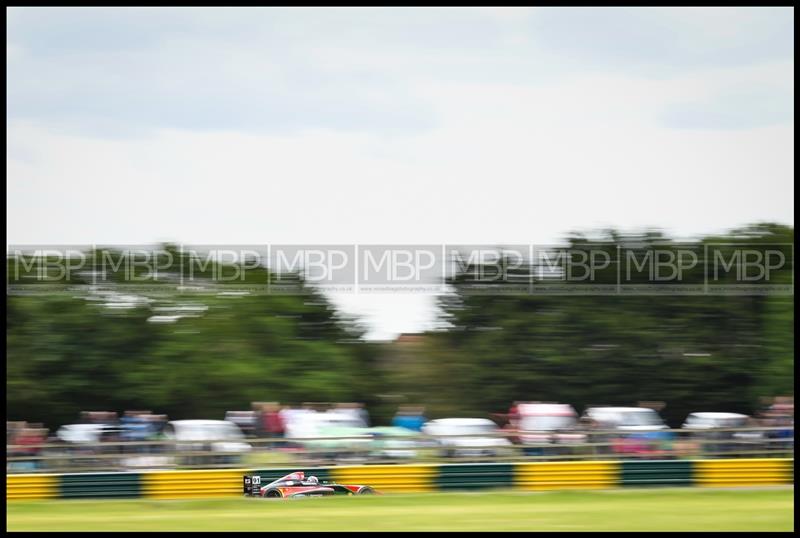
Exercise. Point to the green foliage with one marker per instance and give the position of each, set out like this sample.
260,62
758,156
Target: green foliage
695,352
66,353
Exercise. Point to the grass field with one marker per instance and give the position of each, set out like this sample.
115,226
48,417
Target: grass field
670,509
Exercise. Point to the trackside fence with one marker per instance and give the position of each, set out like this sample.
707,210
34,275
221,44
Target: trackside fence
532,476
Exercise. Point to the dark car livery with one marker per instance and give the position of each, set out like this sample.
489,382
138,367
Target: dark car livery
295,485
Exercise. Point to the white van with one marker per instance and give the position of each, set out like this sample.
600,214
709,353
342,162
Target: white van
546,423
207,435
475,436
706,421
626,418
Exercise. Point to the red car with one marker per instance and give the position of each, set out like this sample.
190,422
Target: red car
296,485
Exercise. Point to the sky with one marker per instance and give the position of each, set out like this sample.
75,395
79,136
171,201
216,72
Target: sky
394,126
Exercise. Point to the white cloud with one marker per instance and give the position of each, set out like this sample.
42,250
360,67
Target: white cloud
531,169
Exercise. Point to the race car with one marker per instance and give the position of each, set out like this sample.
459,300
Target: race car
295,485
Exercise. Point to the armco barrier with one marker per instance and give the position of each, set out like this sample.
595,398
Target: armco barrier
389,478
88,485
656,473
566,475
31,486
744,472
414,478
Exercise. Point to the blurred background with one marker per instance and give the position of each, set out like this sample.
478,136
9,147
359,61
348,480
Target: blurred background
120,376
576,127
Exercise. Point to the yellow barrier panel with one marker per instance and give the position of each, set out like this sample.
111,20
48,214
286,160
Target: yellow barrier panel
192,484
389,478
743,472
423,478
541,476
31,486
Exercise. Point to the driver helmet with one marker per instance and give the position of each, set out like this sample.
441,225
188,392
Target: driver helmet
313,480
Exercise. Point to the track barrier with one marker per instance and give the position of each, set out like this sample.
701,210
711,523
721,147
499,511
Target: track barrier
538,476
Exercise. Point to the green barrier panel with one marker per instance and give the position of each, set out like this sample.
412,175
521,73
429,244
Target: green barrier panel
475,476
535,476
90,485
656,473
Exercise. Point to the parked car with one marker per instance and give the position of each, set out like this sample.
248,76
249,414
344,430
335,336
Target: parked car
88,445
331,435
246,420
394,443
548,423
84,434
467,437
221,438
630,430
707,421
548,428
710,430
626,418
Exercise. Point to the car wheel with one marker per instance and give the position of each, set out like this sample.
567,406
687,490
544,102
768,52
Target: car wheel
273,494
366,491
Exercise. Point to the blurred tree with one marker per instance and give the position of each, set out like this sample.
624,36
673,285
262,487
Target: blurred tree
693,351
68,352
72,352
